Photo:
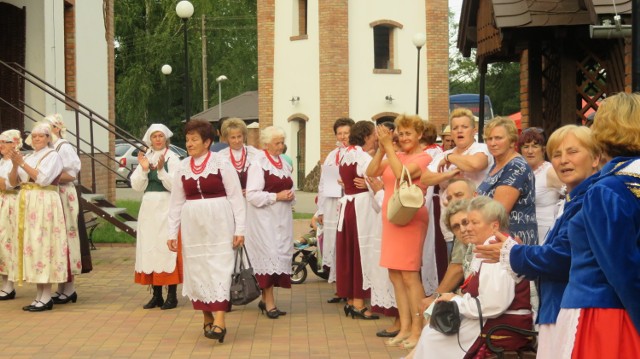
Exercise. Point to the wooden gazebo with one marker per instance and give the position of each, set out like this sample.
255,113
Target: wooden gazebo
564,72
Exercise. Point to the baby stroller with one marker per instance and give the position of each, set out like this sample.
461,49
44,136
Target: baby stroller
306,253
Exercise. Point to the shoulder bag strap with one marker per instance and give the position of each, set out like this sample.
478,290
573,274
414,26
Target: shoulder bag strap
246,254
479,313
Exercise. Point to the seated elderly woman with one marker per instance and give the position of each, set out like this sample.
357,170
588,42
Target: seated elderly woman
501,298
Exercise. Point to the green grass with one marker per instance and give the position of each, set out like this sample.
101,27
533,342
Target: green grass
106,232
297,215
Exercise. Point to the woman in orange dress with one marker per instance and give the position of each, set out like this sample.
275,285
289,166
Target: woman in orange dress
402,245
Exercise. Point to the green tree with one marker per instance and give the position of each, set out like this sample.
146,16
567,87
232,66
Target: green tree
149,34
502,81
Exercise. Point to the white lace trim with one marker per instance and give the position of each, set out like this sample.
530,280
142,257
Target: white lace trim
632,168
263,162
207,292
216,162
505,259
352,156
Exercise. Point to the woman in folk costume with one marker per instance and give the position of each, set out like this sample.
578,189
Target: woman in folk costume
501,298
600,309
156,265
269,219
10,141
208,209
328,206
356,225
71,167
42,247
234,130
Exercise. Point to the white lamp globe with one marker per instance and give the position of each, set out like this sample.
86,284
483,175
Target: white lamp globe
184,9
419,39
166,69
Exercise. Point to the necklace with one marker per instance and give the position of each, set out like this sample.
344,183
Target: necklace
275,164
239,165
198,169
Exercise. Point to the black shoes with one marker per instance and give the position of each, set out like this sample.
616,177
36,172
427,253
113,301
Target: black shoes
347,310
172,298
271,314
336,300
8,296
36,308
64,299
385,334
360,314
212,334
156,300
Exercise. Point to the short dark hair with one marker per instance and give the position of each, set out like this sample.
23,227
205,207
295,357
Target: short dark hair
430,133
343,121
532,134
201,127
360,131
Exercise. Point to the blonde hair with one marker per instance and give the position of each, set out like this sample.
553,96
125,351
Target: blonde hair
267,134
491,210
616,126
506,123
463,112
582,133
233,123
410,121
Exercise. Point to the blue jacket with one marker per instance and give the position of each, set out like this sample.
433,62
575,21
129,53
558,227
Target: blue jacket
605,243
551,261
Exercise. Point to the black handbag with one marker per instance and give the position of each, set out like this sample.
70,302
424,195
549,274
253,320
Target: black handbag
244,286
445,317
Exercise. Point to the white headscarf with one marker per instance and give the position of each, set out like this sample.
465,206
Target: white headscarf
155,128
56,120
43,128
14,136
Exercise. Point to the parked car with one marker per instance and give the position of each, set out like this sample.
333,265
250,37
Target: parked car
127,156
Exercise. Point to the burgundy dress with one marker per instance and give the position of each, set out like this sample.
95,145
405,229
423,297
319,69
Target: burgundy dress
349,281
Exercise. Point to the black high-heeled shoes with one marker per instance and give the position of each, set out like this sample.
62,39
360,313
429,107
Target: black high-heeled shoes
263,308
64,299
347,310
8,296
360,314
212,334
273,313
45,306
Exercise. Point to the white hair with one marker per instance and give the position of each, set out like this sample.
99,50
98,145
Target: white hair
269,133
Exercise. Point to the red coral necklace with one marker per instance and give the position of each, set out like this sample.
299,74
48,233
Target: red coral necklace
198,169
275,164
239,165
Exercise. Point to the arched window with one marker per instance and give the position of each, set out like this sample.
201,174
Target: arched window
384,49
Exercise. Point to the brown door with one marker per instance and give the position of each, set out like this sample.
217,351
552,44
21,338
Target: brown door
12,49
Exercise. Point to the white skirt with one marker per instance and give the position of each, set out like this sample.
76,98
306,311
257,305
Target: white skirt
207,227
329,231
152,253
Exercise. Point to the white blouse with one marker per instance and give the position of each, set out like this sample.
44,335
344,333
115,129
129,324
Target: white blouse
217,163
70,159
48,163
140,178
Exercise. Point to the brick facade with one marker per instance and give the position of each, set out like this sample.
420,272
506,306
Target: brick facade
266,34
437,48
524,88
334,69
70,49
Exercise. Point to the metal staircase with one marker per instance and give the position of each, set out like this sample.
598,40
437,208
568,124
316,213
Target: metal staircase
90,200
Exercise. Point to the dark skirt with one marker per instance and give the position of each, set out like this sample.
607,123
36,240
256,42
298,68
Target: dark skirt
274,280
224,306
348,264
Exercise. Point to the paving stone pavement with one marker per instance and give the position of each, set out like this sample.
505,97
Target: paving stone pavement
108,322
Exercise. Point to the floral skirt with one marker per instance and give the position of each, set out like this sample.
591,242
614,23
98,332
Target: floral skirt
41,250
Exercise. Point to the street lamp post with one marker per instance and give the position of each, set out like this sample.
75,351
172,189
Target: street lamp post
184,9
219,81
419,39
166,70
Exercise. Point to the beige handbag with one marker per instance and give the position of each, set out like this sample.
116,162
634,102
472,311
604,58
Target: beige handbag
407,199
